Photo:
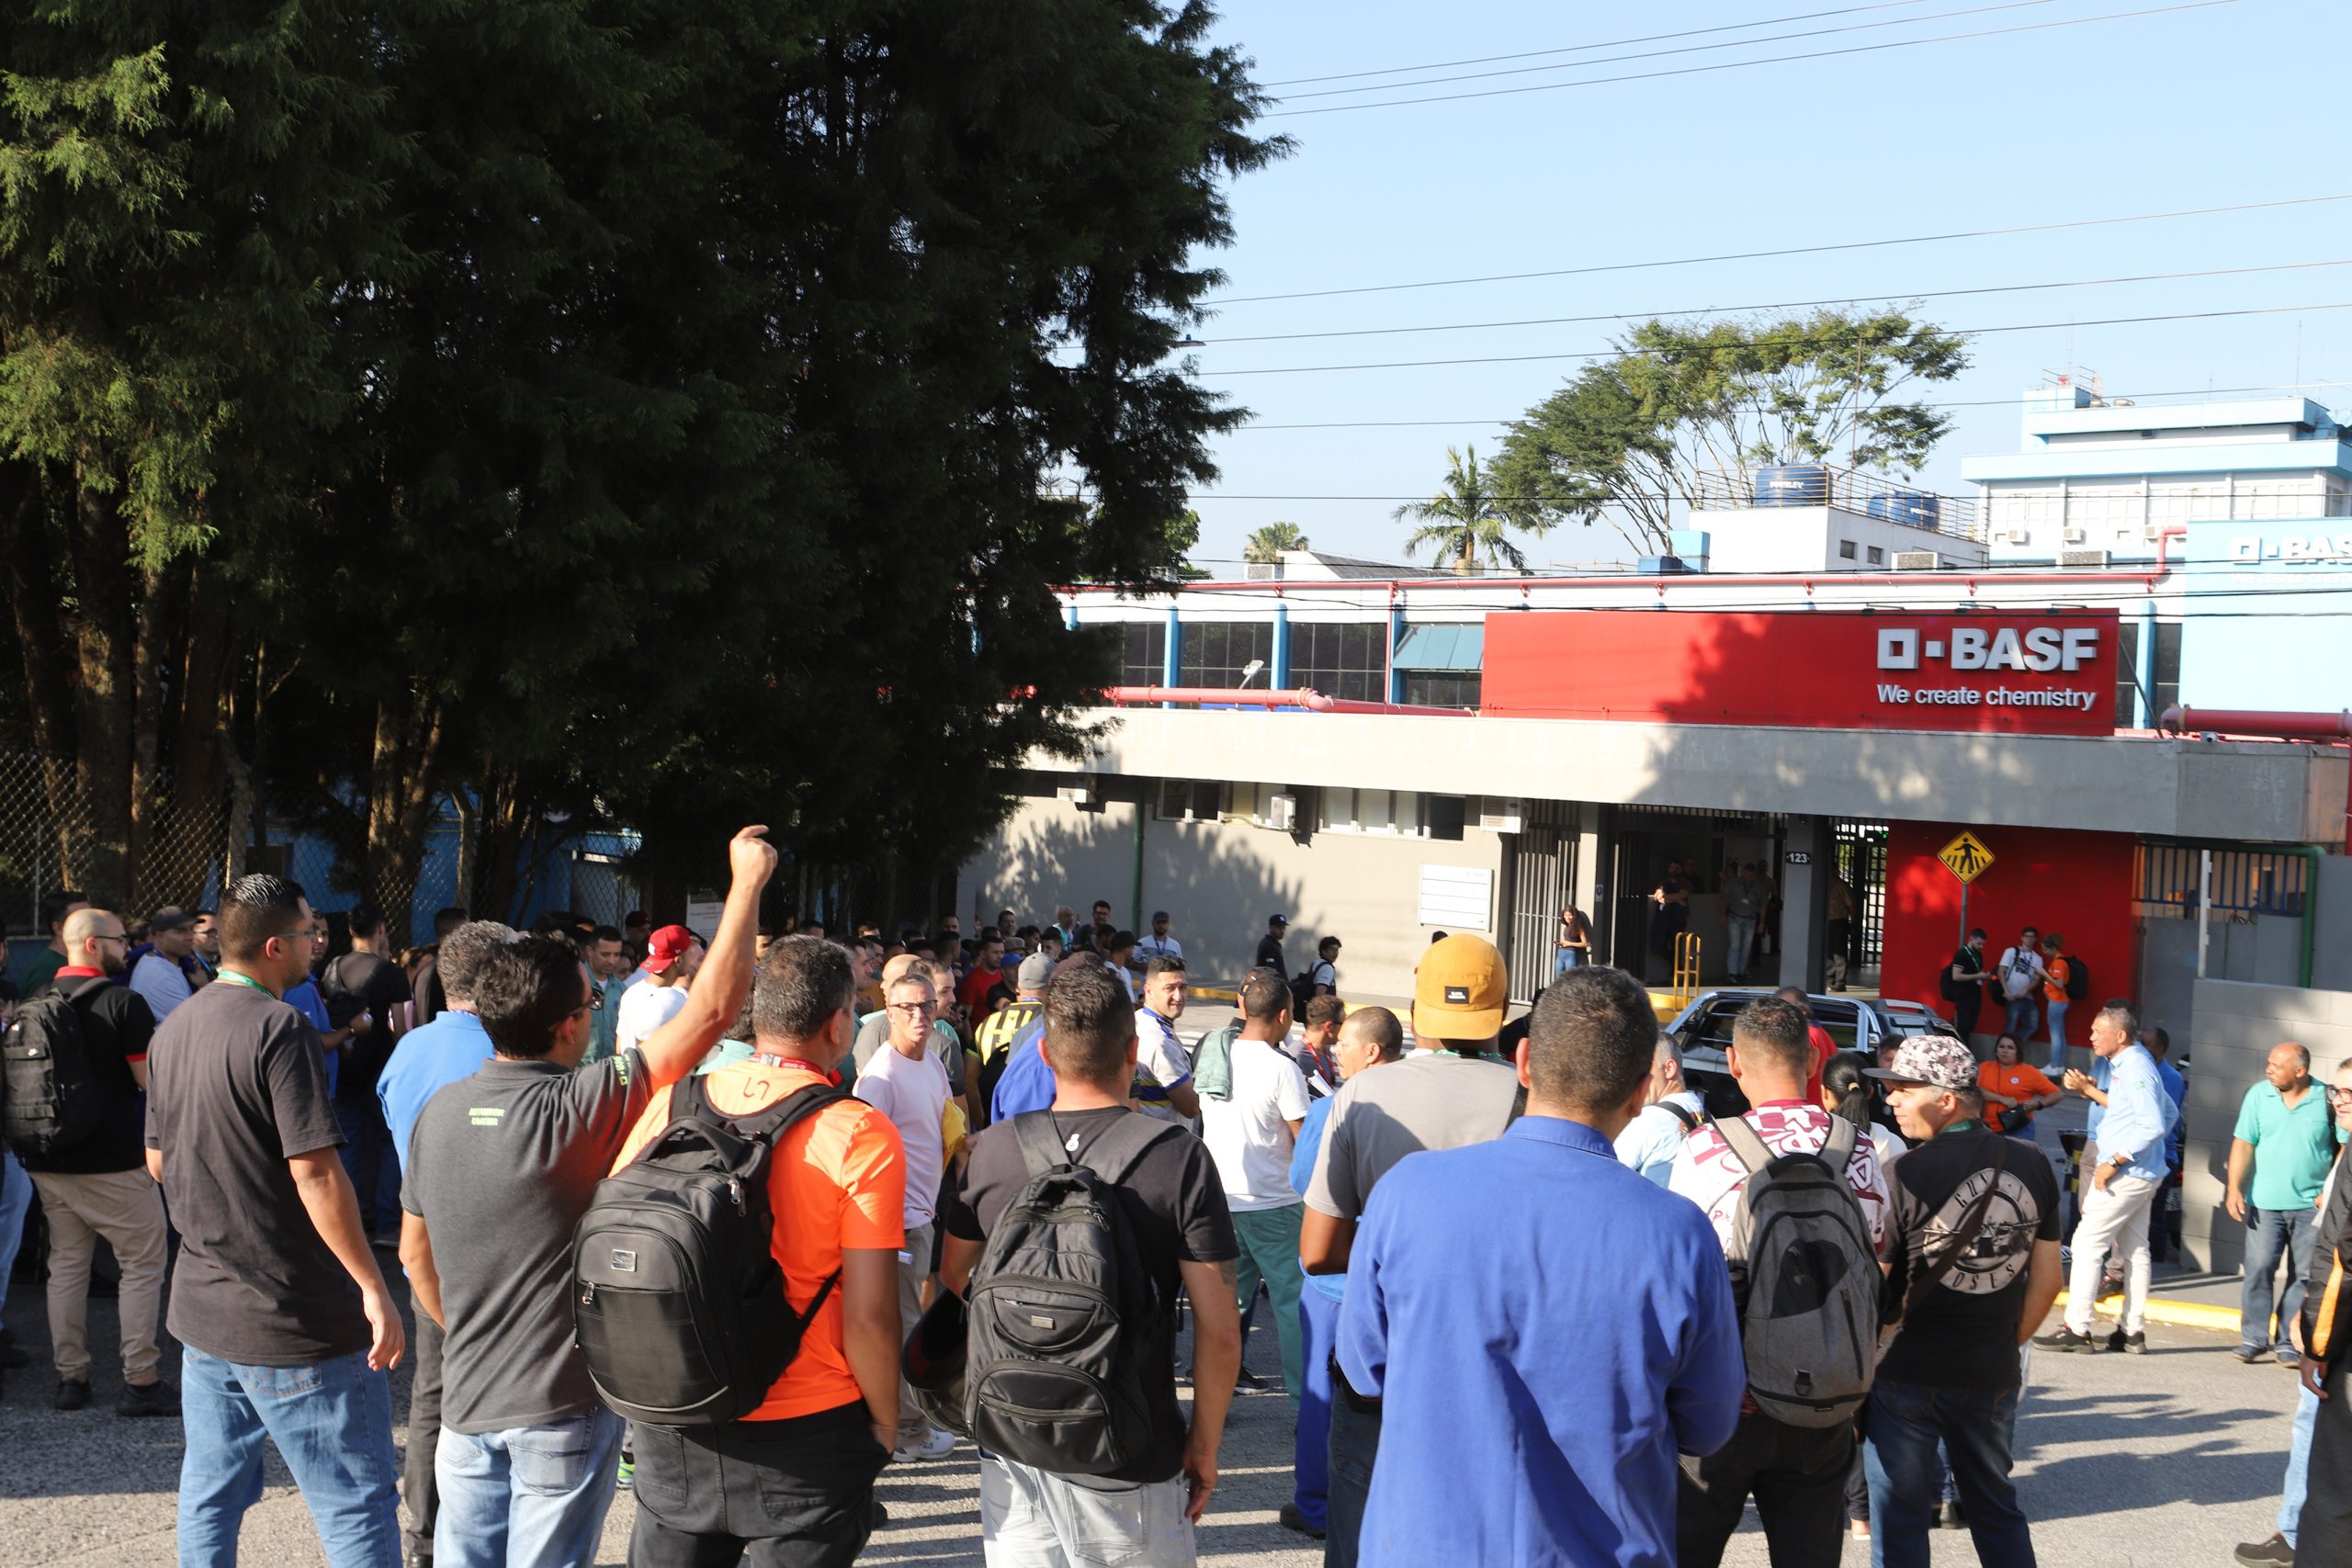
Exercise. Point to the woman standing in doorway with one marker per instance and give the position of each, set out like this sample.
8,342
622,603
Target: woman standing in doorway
1574,942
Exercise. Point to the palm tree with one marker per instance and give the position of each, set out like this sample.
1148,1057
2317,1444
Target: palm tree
1265,546
1465,518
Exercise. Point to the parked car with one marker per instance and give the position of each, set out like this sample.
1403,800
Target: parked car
1856,1024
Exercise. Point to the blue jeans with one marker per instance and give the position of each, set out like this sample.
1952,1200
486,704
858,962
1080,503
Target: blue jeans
2270,1234
333,1424
1739,940
15,1202
2299,1467
1569,957
370,1160
2024,1015
1319,1319
1906,1422
525,1497
2056,1013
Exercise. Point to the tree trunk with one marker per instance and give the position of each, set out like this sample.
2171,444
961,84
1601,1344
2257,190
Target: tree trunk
104,644
30,582
469,849
402,764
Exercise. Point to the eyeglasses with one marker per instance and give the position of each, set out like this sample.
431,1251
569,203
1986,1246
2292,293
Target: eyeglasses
914,1007
596,998
2339,1094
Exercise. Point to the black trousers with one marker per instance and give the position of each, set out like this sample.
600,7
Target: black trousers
417,1488
2324,1533
1798,1477
1964,1008
796,1494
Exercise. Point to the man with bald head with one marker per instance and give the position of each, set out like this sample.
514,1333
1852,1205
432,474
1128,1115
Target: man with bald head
96,1184
2285,1134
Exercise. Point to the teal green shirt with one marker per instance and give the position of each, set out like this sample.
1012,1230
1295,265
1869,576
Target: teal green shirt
725,1053
2292,1147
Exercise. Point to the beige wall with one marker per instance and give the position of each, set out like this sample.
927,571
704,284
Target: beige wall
2236,1026
1219,881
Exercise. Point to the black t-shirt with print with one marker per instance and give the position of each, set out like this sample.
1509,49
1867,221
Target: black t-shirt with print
1174,1205
1964,1333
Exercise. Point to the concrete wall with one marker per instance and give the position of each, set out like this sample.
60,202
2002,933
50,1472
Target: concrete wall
1219,881
2237,1024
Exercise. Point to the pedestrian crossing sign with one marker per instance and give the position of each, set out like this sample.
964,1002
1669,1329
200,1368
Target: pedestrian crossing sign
1965,857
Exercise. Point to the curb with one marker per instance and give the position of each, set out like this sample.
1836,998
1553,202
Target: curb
2176,1314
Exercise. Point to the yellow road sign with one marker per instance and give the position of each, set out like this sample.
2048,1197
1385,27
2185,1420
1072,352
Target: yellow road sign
1965,857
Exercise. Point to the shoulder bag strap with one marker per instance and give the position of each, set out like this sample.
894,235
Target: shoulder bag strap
1971,1226
1746,1146
1690,1122
1839,1148
1041,1145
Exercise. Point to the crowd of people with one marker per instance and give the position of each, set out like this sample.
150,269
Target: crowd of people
1531,1302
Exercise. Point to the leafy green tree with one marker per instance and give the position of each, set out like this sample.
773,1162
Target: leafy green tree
1632,438
1265,545
1467,522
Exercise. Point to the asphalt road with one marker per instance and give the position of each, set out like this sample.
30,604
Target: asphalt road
2143,1462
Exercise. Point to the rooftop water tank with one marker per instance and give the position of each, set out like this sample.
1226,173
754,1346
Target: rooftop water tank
1792,484
1915,507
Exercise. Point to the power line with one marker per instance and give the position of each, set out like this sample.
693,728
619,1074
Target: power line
1790,251
1782,305
1579,48
1770,343
1962,403
1661,53
1762,60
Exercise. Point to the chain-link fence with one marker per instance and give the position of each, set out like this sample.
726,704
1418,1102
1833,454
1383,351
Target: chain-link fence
182,850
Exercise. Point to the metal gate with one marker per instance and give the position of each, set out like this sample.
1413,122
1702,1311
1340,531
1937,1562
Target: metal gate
1542,878
1861,861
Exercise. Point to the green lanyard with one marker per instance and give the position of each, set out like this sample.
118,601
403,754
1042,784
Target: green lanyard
230,975
1964,1124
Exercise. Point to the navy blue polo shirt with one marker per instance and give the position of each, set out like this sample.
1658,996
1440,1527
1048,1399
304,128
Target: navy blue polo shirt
1547,1330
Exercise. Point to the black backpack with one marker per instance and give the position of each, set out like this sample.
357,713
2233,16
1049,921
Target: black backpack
1064,1317
678,1303
2079,979
1302,990
49,1099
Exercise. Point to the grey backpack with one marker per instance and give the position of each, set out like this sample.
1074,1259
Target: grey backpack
1806,1277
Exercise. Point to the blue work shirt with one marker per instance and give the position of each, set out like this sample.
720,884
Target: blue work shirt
1332,1287
428,1059
304,998
2177,1087
1547,1329
1027,1083
2140,1115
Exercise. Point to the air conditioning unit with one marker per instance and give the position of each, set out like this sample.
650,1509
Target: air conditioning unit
1281,812
2019,536
1917,560
2082,558
1497,815
1263,571
1077,794
2076,535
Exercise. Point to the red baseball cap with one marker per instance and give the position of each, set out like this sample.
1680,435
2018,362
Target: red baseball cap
666,947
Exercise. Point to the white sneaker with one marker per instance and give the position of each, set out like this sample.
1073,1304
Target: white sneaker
935,1444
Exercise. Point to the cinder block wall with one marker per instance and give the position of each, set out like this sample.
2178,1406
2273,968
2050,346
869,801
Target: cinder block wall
2236,1025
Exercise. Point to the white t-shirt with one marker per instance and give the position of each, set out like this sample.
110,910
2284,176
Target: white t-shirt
1325,974
912,1092
645,1007
2021,971
1248,1136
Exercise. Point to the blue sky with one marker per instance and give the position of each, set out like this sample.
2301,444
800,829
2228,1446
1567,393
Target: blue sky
2228,104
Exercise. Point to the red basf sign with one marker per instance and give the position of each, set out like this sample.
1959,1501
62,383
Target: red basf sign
2047,673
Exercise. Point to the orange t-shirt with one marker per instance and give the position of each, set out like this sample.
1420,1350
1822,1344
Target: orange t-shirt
2055,988
2021,1082
838,1180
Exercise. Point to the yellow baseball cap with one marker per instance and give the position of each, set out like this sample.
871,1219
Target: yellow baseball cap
1461,991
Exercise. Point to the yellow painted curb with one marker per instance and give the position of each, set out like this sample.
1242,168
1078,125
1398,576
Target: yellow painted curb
2176,1314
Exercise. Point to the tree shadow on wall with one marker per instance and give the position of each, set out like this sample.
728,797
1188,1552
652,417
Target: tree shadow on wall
1217,899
